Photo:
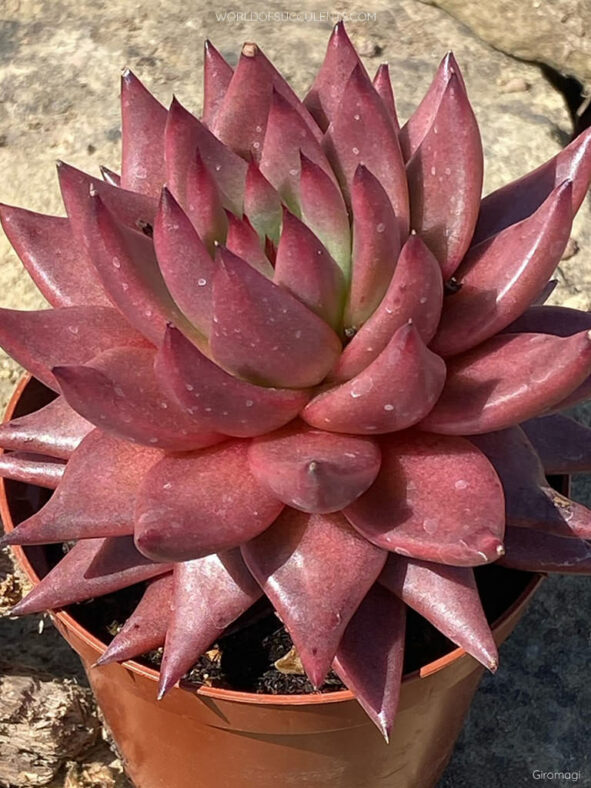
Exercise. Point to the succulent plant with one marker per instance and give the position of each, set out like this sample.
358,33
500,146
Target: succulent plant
295,354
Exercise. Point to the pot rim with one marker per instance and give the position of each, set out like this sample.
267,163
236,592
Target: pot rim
70,623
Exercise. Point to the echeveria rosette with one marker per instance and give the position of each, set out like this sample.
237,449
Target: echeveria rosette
296,354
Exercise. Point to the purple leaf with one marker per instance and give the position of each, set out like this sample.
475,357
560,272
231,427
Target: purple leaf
216,78
31,469
532,551
546,292
562,444
262,204
558,320
383,87
244,242
203,204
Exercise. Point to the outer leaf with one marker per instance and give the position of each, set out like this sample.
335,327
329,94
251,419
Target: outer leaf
532,551
314,471
218,401
71,335
93,567
562,444
261,332
60,268
110,177
383,87
145,629
446,596
216,78
118,392
262,204
200,503
414,293
209,594
371,403
500,277
402,511
32,469
143,121
315,570
445,179
558,320
244,242
305,268
96,496
204,204
370,656
55,429
509,379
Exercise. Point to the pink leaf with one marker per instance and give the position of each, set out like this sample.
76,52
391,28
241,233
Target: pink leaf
370,656
532,551
315,570
96,496
563,445
383,87
30,468
395,391
500,277
508,379
414,293
203,204
143,121
118,391
244,242
47,338
209,594
314,471
260,331
403,511
216,78
61,270
262,204
218,401
200,503
446,596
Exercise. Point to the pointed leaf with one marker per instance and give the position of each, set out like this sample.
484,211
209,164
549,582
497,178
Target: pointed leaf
96,496
110,177
562,444
415,293
118,391
446,596
204,204
445,179
500,277
209,594
47,338
145,629
581,394
93,567
558,320
312,470
383,87
60,268
403,511
370,656
395,391
55,429
546,292
262,204
260,331
31,468
315,570
508,379
532,551
143,120
216,78
200,503
305,268
244,242
217,401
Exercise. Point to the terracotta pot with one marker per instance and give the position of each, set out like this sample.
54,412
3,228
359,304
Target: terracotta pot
218,737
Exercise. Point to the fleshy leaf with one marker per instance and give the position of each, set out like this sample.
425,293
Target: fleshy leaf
145,629
370,655
218,401
500,277
414,293
143,120
216,78
118,391
56,430
262,204
312,470
445,179
446,596
532,551
562,444
109,176
244,242
47,338
376,246
32,468
209,594
60,268
315,570
558,320
402,511
305,268
546,292
261,332
184,261
508,379
383,87
200,503
394,392
96,496
530,502
93,567
517,200
203,204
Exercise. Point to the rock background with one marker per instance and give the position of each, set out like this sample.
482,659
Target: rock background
59,70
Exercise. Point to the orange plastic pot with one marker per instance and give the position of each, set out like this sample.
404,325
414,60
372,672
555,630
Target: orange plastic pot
242,740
